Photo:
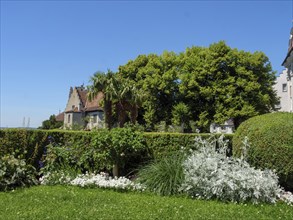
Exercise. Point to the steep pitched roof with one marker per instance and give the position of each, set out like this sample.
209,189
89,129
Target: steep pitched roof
85,105
82,93
290,47
94,105
60,117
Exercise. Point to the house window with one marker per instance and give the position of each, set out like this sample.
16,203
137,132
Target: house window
284,87
95,118
73,107
68,119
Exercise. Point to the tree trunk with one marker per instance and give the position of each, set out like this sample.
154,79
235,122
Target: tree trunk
121,114
115,170
182,127
108,113
133,114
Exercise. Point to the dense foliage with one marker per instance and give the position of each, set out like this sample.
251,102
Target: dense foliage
14,172
271,144
205,85
207,173
201,170
27,144
93,151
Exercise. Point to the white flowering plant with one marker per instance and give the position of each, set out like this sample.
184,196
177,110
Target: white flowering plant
210,174
56,178
101,180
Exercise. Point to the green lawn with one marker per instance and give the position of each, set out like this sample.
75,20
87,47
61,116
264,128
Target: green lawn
61,202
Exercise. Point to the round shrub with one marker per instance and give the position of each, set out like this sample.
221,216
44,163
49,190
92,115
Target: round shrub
270,137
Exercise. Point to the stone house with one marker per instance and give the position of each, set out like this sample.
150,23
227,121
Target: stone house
82,112
226,128
284,82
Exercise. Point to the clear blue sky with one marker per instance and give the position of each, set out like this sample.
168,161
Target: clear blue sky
48,46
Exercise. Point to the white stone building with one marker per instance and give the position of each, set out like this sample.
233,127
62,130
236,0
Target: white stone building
282,87
284,81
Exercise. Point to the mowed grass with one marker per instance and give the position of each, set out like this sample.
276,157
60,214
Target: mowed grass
69,202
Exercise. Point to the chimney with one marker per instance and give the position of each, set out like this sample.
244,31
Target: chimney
70,92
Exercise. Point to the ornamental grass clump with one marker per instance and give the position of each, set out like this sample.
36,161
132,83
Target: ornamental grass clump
165,176
210,174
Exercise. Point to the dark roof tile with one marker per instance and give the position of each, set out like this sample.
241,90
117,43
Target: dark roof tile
94,105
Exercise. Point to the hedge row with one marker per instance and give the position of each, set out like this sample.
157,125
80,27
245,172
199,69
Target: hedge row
31,144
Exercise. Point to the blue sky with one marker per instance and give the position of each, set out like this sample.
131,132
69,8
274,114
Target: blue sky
48,46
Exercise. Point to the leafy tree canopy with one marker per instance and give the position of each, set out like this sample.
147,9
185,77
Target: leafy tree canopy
214,84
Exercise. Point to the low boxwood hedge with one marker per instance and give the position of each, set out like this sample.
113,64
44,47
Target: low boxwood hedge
271,144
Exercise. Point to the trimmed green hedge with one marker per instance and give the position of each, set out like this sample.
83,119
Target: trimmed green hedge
271,144
160,144
31,145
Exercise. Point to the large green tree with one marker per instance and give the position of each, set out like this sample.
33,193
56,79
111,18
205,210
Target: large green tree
221,83
216,83
155,77
181,115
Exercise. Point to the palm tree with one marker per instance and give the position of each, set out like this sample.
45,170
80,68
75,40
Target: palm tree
105,83
119,92
129,100
135,99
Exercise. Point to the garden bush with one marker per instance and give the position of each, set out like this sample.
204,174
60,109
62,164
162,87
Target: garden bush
164,176
95,151
207,173
23,143
271,144
210,174
14,172
31,145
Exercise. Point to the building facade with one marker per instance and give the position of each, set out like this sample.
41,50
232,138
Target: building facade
285,84
282,87
82,113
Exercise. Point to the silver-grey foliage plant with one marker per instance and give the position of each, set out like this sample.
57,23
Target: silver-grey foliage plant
210,174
